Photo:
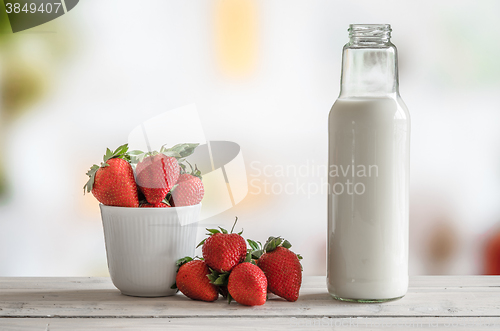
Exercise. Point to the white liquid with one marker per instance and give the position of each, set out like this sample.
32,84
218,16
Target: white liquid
368,224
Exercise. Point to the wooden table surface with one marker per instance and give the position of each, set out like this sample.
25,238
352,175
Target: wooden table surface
432,302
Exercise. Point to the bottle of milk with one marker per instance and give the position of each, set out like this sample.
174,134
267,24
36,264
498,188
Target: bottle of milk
369,148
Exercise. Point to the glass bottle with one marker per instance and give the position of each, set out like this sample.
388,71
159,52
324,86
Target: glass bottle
369,145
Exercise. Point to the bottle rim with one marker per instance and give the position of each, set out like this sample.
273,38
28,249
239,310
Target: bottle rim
371,31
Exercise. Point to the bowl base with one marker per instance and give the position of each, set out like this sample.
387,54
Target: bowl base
147,295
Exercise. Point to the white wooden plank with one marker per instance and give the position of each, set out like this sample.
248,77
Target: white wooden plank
310,282
455,281
96,297
208,324
70,283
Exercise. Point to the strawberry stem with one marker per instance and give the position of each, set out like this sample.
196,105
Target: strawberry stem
236,220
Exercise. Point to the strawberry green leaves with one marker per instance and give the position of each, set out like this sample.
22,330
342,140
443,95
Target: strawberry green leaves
255,251
137,156
179,150
194,171
201,242
218,278
219,230
90,183
120,152
256,245
273,242
182,261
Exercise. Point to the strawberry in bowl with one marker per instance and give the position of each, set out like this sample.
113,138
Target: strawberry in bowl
112,183
159,179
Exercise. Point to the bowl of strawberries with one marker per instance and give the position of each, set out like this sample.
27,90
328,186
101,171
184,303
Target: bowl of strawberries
150,205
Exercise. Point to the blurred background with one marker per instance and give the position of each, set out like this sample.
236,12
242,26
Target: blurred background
263,74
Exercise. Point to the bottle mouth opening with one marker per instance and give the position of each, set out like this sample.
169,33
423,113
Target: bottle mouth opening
370,31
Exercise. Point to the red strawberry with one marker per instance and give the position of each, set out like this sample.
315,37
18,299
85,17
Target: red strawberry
282,268
193,282
247,285
158,205
222,251
188,192
113,182
156,175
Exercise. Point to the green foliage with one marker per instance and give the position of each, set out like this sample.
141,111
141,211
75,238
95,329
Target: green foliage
248,257
272,243
218,278
255,251
90,183
120,152
137,156
179,150
201,242
254,244
194,171
182,261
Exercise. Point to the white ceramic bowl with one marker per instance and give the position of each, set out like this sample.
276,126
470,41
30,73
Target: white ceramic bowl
142,245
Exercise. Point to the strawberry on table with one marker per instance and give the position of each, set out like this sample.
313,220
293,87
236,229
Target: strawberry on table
193,282
247,285
112,183
281,267
222,251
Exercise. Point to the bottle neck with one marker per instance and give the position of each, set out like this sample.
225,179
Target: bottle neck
369,63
